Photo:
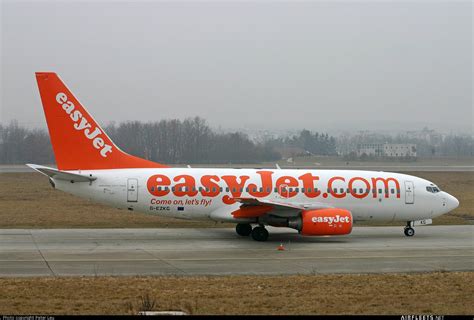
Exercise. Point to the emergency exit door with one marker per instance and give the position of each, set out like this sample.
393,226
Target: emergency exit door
409,192
132,190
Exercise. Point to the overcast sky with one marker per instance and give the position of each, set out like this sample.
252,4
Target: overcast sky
260,64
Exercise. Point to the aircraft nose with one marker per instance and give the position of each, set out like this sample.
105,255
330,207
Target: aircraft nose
453,203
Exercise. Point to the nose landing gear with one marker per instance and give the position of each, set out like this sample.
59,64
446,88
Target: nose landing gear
409,231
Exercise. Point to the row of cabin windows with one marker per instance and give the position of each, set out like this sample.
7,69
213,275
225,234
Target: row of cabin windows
261,189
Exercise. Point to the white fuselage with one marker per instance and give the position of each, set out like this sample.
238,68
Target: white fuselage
206,194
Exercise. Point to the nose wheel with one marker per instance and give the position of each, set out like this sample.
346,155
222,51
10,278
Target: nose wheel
409,231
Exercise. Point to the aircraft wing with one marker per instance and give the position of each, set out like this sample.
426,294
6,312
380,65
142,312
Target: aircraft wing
253,207
62,175
282,204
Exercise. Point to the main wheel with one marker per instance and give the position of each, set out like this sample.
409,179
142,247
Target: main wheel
243,229
259,234
409,232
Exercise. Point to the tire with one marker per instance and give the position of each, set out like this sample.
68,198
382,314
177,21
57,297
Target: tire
409,232
259,234
243,229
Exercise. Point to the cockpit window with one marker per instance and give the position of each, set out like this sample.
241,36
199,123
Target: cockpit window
433,189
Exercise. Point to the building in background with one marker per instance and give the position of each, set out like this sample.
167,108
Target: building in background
389,150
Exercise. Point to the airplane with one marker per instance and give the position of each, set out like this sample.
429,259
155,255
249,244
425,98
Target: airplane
314,202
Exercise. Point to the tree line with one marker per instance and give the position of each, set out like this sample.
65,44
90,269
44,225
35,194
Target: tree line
308,143
194,141
187,141
168,141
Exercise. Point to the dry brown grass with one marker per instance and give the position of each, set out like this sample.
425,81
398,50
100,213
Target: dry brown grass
432,293
28,201
459,184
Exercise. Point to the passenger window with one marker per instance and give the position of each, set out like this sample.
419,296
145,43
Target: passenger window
297,189
380,190
335,190
276,190
261,189
172,188
152,189
361,190
342,190
393,191
354,190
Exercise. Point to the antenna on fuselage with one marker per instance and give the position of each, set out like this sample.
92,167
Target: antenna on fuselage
278,166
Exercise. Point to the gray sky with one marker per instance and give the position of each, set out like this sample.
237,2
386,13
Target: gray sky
319,65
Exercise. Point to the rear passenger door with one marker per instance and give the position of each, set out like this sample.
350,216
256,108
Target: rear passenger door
132,190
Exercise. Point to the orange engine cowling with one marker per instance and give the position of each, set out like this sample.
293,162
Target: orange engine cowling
331,221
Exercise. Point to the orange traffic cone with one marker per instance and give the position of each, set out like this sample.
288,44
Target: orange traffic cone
281,247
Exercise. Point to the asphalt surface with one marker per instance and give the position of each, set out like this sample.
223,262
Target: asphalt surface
91,252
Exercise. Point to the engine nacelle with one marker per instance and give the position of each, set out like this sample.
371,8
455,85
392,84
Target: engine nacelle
323,222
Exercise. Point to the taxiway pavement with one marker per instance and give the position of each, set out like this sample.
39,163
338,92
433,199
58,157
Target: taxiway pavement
90,252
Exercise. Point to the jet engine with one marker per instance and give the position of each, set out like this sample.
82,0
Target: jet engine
321,222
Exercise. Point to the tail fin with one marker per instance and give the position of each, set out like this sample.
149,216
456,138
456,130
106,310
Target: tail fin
79,143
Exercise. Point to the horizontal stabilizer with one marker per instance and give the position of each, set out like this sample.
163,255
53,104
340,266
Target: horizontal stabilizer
62,175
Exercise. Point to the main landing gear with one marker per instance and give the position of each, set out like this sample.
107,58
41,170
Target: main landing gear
243,229
409,231
258,233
